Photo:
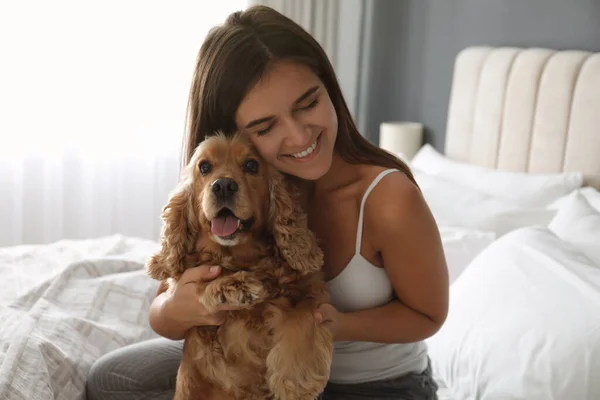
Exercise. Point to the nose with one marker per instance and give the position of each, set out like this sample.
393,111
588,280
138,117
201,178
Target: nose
298,134
224,188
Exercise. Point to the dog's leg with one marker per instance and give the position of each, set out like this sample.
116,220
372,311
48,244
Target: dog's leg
240,290
298,364
189,387
201,366
199,391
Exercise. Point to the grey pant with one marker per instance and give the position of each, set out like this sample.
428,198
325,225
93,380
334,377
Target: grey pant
148,371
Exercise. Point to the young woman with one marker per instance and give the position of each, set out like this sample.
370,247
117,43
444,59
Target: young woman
262,74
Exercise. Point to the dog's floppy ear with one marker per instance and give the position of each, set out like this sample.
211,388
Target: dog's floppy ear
179,233
297,243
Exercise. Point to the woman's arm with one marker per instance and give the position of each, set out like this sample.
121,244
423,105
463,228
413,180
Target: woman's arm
160,320
391,323
399,221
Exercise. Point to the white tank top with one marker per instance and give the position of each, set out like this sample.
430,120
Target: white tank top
362,285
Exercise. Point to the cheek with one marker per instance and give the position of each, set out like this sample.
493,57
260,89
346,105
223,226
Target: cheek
329,116
267,146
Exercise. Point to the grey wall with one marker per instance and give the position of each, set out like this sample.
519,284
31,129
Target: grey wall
414,43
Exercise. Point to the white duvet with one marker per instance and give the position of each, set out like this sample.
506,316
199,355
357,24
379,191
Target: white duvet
523,324
62,306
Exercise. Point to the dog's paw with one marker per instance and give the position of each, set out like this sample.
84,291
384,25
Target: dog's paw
241,294
236,291
290,389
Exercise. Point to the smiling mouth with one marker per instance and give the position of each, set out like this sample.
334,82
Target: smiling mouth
308,151
226,225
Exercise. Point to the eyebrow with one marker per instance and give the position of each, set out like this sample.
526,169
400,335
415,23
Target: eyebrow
298,100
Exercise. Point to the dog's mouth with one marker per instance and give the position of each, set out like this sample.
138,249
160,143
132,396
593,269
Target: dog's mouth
226,225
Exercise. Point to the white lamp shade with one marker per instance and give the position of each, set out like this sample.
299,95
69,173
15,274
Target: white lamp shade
403,139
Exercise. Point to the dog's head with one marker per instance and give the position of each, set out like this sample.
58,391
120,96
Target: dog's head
228,195
230,183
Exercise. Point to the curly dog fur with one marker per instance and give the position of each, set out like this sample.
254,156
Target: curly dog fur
273,348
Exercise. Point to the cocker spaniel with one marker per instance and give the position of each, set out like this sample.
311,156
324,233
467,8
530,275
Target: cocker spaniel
232,209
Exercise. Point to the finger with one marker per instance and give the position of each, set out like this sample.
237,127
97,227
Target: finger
319,316
323,315
201,273
328,318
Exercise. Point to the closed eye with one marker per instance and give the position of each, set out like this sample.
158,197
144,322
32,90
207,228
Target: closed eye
311,105
264,131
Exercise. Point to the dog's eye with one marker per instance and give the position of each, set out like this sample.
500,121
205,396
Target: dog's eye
251,166
205,167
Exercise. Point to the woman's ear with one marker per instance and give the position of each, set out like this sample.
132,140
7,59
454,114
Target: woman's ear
179,234
297,244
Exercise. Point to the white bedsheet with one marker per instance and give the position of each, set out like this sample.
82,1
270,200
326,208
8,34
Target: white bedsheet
62,306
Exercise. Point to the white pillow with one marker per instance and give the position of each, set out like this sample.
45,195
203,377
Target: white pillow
591,195
523,323
456,205
578,223
526,188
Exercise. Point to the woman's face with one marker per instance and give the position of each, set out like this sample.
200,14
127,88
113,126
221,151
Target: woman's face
290,119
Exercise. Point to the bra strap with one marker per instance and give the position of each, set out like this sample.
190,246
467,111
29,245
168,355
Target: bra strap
362,206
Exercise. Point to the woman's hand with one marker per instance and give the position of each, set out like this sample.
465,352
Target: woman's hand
183,306
329,317
172,314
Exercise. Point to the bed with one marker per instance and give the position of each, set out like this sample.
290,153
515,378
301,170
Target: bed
519,181
515,195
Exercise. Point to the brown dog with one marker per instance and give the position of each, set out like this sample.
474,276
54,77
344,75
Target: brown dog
232,209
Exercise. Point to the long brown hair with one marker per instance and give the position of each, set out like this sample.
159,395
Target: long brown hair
235,55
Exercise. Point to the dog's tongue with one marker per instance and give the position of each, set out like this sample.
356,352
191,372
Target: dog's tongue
224,225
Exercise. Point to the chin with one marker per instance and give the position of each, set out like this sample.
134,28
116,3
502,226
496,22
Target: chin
313,175
308,173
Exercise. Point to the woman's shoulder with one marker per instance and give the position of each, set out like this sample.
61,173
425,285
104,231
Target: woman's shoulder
388,181
394,195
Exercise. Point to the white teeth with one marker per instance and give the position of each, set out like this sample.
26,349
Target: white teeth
307,151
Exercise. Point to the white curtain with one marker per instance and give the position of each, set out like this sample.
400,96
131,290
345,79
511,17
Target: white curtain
92,109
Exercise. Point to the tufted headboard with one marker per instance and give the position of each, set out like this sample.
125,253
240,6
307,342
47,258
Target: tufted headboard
527,110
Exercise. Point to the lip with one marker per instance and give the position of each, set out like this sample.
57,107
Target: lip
311,155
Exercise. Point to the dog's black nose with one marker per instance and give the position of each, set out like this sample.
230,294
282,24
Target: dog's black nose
224,187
